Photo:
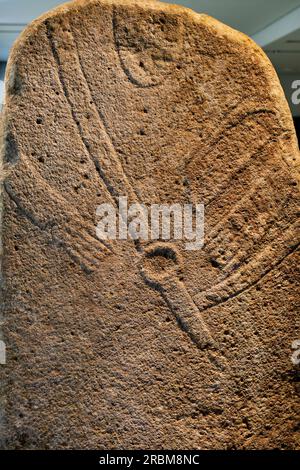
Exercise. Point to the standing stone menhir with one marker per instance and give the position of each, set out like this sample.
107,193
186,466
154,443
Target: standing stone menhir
127,345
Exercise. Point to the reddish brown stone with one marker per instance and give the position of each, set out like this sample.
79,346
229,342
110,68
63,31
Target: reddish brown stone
104,348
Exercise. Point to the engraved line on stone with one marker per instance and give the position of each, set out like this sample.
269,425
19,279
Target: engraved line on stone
233,123
121,174
275,219
227,182
217,228
237,266
229,267
51,226
176,296
224,134
61,199
99,170
188,316
42,226
87,239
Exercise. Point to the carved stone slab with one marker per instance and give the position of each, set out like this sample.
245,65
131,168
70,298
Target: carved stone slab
120,344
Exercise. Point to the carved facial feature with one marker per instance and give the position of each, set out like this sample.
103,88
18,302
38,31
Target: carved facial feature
148,48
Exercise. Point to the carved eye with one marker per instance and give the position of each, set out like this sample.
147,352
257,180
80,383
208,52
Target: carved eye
150,49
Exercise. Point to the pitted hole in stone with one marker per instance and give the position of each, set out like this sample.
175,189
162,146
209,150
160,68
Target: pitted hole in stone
160,261
11,153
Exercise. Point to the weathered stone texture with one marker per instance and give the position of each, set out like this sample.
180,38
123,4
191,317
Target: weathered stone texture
153,101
